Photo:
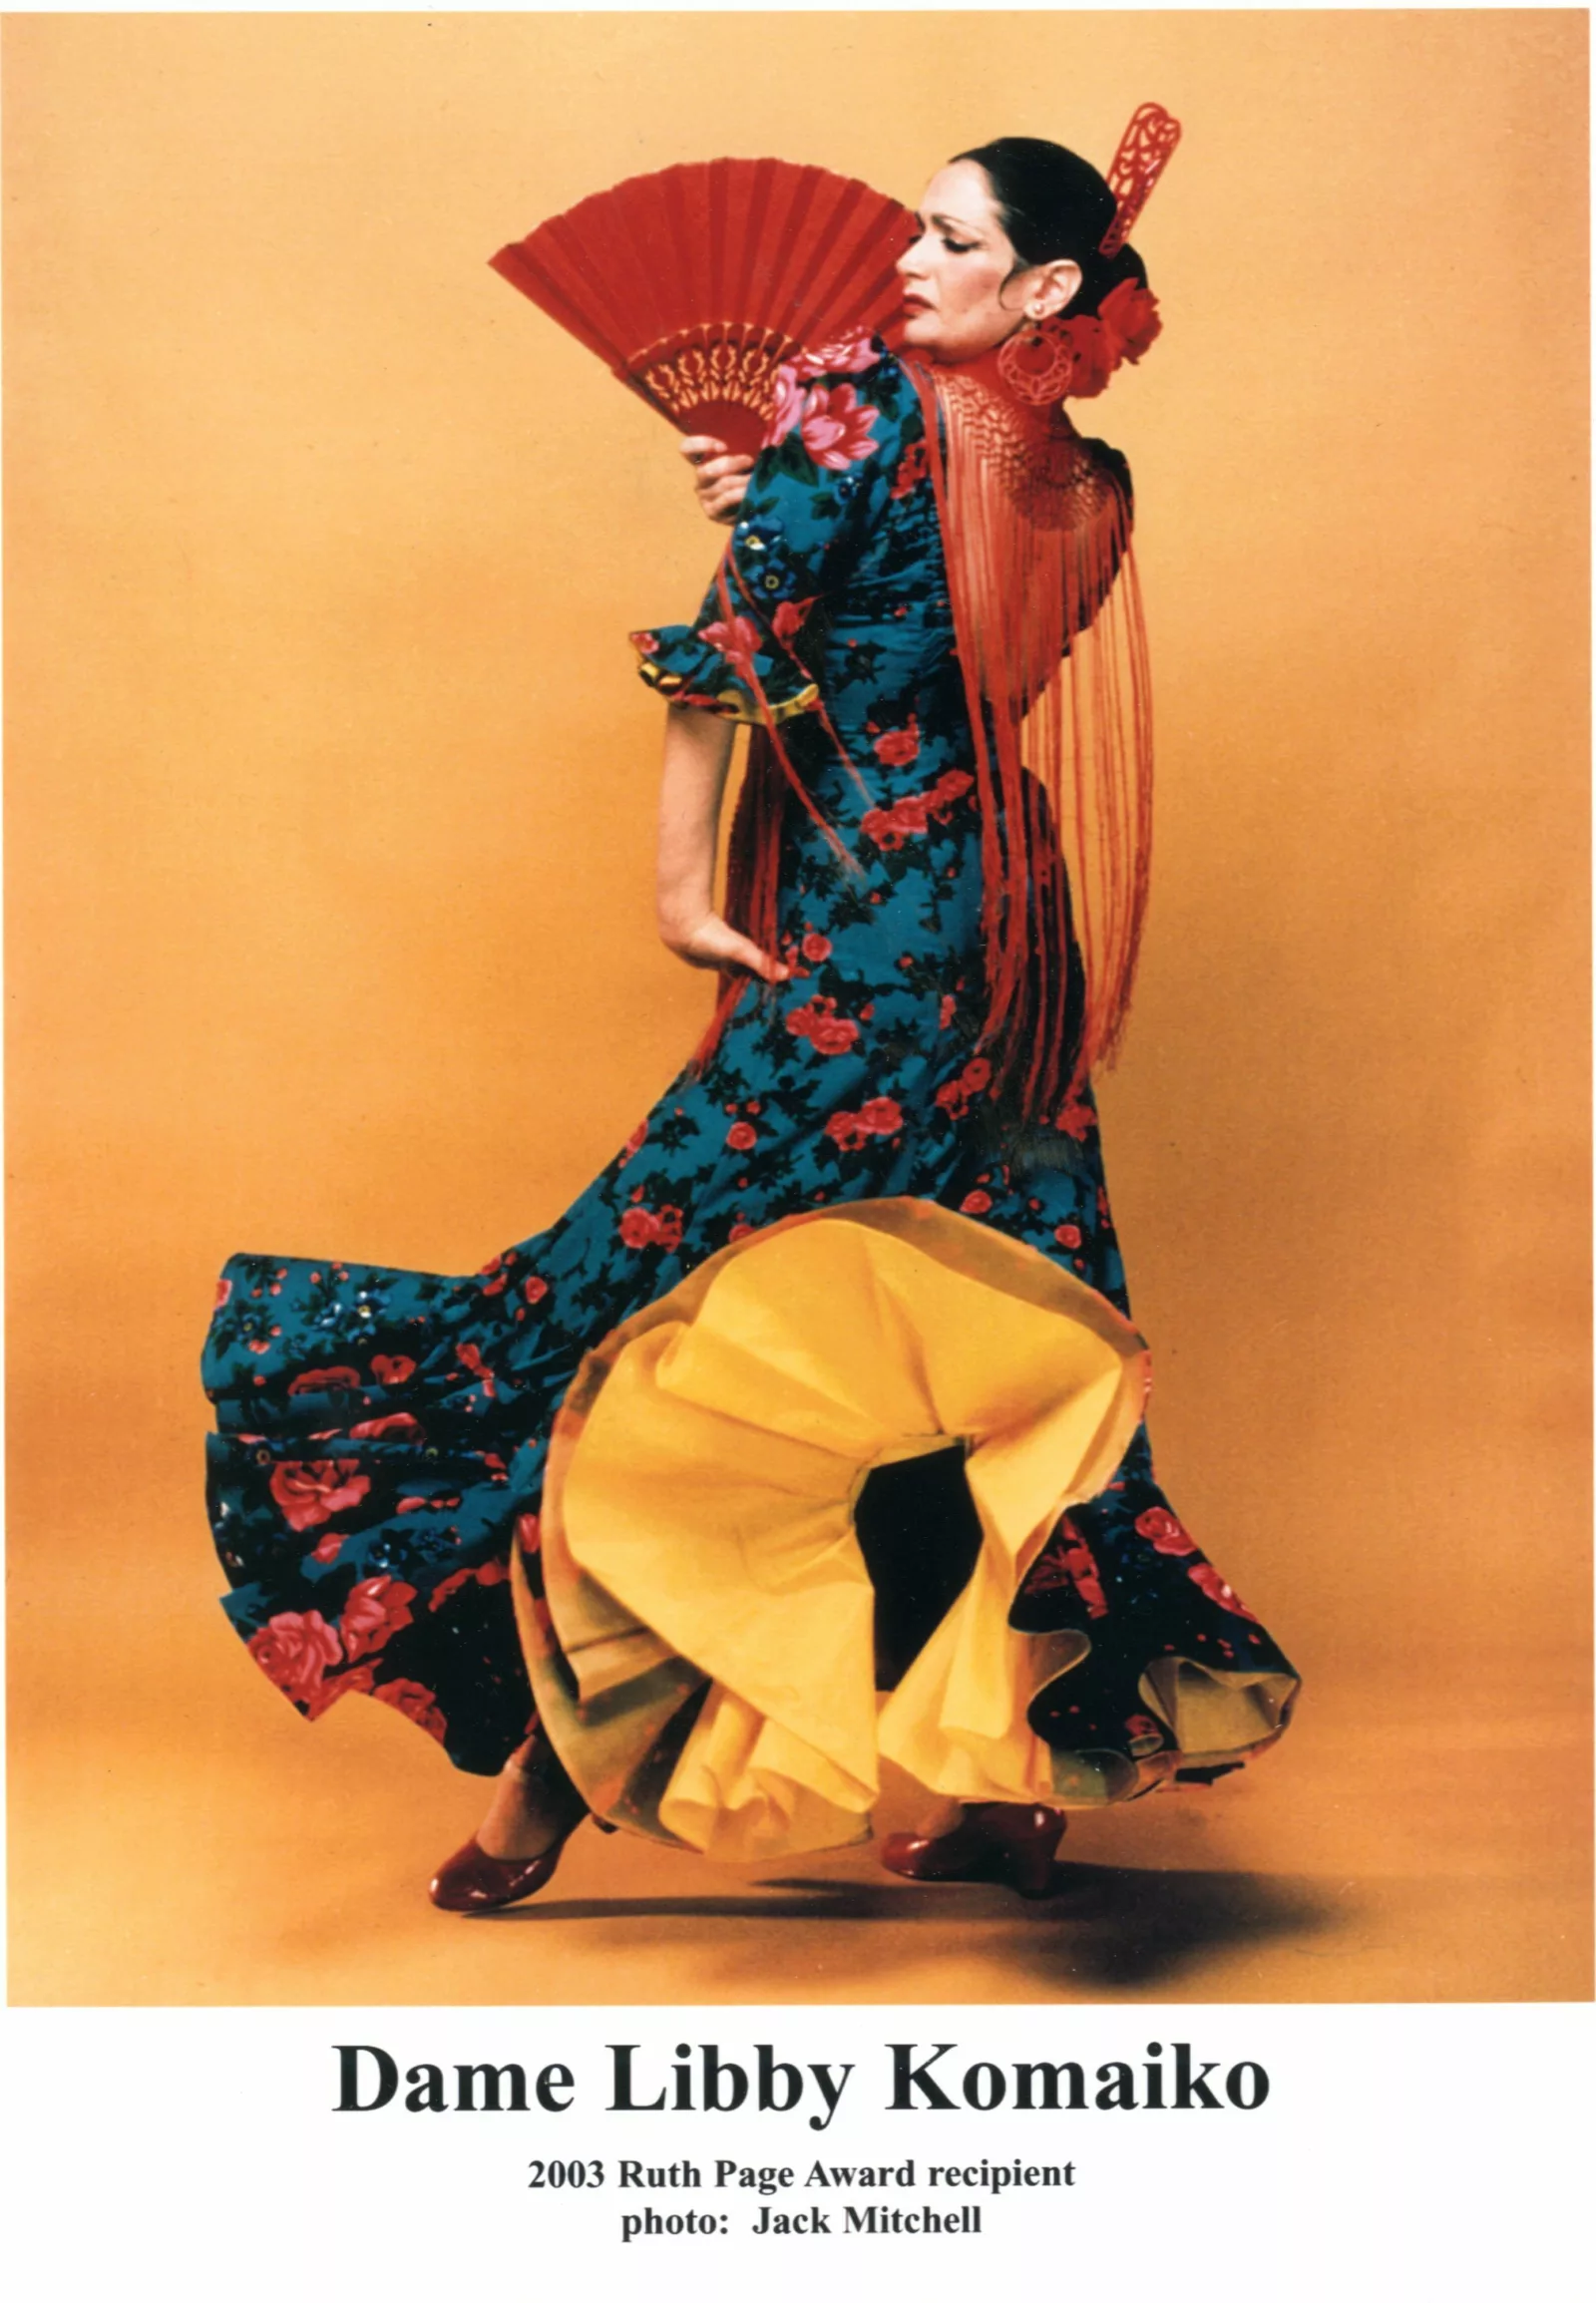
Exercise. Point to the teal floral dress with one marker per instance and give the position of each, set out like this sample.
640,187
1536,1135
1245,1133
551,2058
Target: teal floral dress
380,1432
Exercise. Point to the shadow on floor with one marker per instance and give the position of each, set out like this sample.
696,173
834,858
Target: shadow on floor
1115,1929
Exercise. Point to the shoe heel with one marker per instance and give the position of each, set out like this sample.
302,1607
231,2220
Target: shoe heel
1028,1868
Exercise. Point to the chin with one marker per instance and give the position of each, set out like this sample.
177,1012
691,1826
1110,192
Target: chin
921,330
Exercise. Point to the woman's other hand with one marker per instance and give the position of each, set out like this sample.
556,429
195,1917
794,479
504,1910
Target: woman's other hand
720,479
712,941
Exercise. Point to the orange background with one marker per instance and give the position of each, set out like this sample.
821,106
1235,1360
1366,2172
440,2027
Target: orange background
329,858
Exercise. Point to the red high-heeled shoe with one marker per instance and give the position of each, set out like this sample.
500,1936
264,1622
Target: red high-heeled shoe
993,1841
473,1881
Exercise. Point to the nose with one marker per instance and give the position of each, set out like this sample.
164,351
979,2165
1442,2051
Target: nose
908,266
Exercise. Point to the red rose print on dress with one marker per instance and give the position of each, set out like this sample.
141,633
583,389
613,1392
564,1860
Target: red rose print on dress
899,747
651,1228
1068,1235
789,617
307,1495
914,467
827,1032
850,355
881,1116
740,1137
850,1130
1209,1580
835,426
417,1703
954,1095
495,1275
471,1358
325,1380
633,1143
815,948
373,1612
294,1652
737,641
1164,1532
1077,1120
976,1204
389,1371
224,1293
912,813
1080,1567
491,1572
388,1427
535,1288
789,407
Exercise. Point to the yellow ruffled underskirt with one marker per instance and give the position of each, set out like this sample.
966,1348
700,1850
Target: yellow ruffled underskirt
703,1655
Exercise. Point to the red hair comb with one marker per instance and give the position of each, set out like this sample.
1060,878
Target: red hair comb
1144,154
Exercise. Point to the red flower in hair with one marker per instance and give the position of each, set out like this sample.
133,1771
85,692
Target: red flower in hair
1129,318
1095,358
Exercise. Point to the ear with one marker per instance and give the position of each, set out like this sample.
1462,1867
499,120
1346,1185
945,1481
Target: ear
1051,288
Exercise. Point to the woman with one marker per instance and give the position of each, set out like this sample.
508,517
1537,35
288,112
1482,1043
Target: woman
847,1309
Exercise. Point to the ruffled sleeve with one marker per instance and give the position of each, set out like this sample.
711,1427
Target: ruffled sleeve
823,478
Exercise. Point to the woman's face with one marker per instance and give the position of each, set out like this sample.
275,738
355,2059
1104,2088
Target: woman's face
961,293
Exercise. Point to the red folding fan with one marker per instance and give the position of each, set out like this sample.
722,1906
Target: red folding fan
696,283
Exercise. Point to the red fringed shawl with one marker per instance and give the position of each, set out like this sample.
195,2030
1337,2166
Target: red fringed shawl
1036,525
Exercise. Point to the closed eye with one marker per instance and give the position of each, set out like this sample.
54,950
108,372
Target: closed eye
955,246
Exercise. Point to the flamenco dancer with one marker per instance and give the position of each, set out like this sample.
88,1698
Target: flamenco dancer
811,1434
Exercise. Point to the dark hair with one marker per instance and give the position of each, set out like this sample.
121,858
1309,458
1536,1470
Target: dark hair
1056,206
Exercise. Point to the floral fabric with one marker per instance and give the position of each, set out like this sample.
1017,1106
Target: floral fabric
380,1432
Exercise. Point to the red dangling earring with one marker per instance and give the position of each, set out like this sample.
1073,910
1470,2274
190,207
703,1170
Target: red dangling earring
1036,362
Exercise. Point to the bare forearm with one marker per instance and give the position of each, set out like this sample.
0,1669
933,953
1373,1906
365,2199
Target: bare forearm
691,787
